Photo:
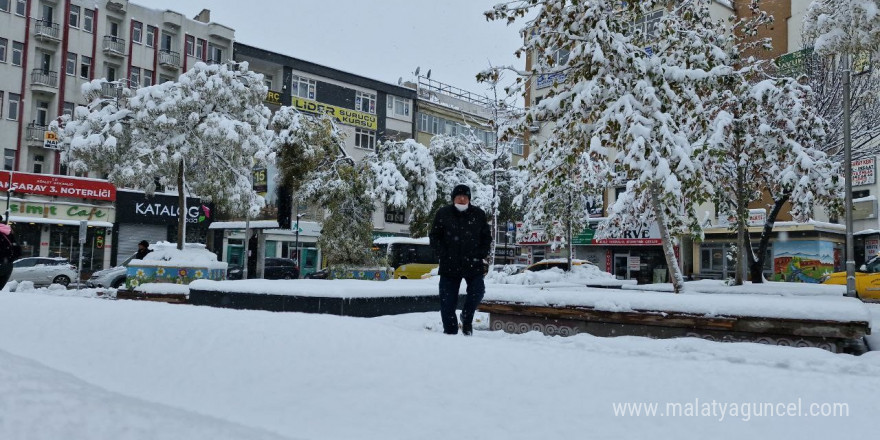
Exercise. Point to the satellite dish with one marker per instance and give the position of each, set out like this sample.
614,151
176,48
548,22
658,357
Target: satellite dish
429,74
417,70
400,80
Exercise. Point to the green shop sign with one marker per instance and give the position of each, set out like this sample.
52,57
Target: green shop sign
585,237
60,212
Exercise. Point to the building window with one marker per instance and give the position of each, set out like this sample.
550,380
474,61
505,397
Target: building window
1,104
4,5
303,87
148,78
111,73
267,80
89,20
38,164
70,66
215,54
85,67
42,113
12,110
165,78
190,45
365,102
647,24
136,29
8,159
400,106
135,77
365,139
151,36
17,51
4,44
74,16
201,49
68,108
20,7
166,41
517,146
395,215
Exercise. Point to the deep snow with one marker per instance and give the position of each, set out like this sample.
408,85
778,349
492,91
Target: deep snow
173,370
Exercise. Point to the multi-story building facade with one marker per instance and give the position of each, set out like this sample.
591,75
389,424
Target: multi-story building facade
367,111
48,50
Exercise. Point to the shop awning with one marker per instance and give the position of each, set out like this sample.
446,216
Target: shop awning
254,224
55,221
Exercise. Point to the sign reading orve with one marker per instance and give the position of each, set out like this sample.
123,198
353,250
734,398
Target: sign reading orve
61,186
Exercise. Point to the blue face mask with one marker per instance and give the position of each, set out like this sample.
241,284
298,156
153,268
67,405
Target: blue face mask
462,208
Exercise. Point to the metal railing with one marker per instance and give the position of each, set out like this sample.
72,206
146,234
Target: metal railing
114,44
169,58
36,132
42,77
47,29
429,85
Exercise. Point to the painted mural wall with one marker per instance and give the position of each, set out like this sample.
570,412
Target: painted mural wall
802,261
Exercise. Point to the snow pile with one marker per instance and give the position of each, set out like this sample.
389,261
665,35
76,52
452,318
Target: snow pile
325,288
582,274
193,255
765,288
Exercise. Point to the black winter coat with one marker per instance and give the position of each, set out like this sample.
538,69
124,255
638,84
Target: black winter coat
461,239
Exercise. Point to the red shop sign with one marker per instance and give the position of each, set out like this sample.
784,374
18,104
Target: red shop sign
61,186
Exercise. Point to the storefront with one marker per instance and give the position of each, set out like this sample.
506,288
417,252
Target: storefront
46,210
797,252
154,219
635,254
271,241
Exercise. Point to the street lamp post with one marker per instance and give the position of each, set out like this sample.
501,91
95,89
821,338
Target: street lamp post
298,257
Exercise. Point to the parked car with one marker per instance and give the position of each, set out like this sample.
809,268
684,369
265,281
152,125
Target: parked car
234,272
113,277
508,268
322,274
43,271
559,263
867,280
280,269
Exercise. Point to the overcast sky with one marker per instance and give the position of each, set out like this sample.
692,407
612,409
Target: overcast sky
379,39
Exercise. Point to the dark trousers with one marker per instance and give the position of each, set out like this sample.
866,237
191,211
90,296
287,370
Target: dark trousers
449,300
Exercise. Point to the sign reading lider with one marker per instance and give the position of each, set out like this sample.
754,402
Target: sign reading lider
61,212
343,115
864,171
49,185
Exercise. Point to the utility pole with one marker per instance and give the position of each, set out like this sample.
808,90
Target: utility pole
848,201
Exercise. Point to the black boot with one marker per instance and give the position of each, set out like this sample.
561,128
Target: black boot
467,326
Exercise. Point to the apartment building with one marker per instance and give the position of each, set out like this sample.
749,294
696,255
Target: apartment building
48,50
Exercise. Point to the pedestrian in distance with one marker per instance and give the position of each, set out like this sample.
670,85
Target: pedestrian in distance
143,250
9,252
461,237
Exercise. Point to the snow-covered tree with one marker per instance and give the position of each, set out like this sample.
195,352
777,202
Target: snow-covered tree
404,176
843,26
457,160
202,134
636,90
765,139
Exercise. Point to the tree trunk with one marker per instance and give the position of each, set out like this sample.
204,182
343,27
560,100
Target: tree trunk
742,225
668,246
568,232
758,265
181,204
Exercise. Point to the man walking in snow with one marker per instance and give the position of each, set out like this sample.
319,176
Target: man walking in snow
461,238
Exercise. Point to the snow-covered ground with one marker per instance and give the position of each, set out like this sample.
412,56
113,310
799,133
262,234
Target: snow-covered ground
85,368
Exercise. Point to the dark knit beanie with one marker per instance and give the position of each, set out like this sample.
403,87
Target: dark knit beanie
461,190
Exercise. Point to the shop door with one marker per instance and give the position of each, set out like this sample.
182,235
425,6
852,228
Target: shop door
621,266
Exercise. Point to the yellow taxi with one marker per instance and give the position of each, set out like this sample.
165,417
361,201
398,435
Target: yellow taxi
867,280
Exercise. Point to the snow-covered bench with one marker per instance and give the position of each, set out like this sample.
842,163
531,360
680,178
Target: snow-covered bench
832,323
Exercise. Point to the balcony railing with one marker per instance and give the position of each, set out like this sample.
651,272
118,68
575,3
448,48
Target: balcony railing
36,132
114,45
214,61
48,78
169,58
47,29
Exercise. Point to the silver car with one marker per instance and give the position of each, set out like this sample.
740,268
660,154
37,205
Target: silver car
43,271
113,277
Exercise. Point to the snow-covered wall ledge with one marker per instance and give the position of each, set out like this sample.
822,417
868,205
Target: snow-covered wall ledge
167,264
